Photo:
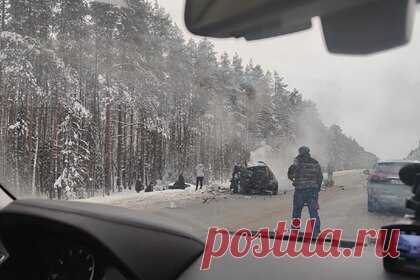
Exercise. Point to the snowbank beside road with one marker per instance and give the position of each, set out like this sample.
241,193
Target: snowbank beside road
145,200
170,198
347,172
344,173
141,196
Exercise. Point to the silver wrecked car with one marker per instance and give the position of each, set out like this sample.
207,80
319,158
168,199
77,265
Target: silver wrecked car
386,192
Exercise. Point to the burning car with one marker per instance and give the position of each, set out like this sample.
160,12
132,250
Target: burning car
255,179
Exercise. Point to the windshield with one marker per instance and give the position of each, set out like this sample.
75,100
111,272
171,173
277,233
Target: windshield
389,168
115,102
4,199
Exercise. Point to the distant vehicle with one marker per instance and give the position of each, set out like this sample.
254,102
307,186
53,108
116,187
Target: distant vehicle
385,190
258,179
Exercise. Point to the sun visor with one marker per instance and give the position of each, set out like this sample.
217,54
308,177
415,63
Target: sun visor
370,28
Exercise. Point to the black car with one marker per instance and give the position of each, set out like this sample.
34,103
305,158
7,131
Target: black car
255,179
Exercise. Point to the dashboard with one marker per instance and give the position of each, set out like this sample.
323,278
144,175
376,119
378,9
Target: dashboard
55,256
50,240
74,261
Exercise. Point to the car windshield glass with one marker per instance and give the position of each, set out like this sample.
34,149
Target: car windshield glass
115,102
4,199
390,168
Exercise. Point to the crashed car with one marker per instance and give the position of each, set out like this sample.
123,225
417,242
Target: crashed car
256,179
385,190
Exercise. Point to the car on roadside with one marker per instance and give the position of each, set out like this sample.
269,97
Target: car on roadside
386,192
258,179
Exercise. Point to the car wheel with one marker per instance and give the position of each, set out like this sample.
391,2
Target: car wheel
276,190
244,191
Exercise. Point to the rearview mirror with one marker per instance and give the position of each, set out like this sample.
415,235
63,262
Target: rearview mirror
355,27
373,27
366,172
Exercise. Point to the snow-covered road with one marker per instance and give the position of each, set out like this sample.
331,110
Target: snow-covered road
343,206
142,200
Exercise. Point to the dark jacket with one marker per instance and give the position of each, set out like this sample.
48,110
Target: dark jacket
305,173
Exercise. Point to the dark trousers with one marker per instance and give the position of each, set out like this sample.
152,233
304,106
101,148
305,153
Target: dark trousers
307,197
200,181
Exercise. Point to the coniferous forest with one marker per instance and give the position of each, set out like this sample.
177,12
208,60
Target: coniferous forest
94,97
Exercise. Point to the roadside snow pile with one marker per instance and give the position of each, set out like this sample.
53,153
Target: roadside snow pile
144,200
348,172
126,194
132,199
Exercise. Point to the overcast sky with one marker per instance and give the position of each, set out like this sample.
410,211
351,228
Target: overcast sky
375,98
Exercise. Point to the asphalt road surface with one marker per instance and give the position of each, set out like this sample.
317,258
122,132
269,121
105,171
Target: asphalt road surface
342,206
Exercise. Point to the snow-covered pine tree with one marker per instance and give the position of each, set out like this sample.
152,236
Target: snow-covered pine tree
74,151
414,154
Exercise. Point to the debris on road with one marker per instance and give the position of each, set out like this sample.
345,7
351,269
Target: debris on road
207,199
